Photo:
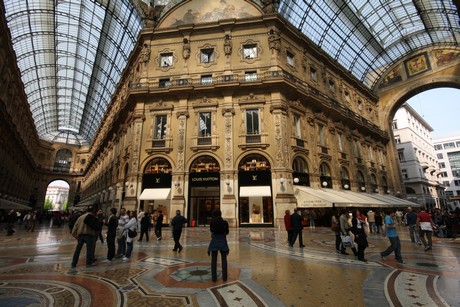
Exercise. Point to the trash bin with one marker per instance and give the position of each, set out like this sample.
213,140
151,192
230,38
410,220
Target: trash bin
193,223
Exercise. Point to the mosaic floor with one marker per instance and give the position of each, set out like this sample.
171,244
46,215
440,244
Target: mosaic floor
263,271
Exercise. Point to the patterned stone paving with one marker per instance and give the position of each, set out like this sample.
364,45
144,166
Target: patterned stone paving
263,271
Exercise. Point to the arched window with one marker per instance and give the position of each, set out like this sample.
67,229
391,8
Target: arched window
254,162
374,186
325,175
204,164
158,166
361,181
63,161
385,185
345,179
300,172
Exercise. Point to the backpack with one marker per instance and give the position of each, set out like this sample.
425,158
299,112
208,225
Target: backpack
93,222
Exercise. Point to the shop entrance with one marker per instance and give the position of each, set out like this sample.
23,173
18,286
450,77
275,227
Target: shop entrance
201,207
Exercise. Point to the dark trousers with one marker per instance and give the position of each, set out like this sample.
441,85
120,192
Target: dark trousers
158,230
146,232
394,247
223,254
338,241
100,237
111,247
290,233
294,237
176,236
89,240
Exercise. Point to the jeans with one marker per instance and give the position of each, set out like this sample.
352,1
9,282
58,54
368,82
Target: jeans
372,227
121,246
90,241
129,249
414,233
214,265
394,247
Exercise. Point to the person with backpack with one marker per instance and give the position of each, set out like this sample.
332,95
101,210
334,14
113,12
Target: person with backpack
85,231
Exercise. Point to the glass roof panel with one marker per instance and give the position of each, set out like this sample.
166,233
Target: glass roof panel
71,53
60,46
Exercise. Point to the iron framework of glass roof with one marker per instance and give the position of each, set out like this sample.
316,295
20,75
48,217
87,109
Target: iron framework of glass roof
366,37
71,55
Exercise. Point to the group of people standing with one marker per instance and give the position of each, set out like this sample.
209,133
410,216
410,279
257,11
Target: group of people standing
123,229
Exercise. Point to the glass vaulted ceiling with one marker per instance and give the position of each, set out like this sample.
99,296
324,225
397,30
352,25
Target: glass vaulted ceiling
71,55
366,37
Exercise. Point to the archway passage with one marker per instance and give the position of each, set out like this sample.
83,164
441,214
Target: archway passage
57,194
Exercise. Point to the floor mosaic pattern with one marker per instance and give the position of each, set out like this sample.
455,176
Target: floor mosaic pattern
263,271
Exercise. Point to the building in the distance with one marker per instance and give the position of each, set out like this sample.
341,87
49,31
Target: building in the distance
58,195
419,166
448,154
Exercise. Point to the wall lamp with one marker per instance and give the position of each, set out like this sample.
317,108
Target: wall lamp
346,186
296,180
363,189
324,183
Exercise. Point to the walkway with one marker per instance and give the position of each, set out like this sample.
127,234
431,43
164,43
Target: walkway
263,271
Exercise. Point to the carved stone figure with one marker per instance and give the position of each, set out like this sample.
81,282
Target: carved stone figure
228,45
274,41
186,49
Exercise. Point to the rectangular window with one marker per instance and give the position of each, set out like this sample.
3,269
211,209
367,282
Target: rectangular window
442,165
160,127
298,131
439,156
313,74
401,156
395,125
356,150
457,144
205,124
449,145
322,139
331,86
250,51
207,55
339,141
166,59
250,76
443,174
206,80
252,121
457,183
404,174
164,83
397,139
290,58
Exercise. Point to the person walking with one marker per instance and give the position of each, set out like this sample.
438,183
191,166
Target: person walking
335,227
177,224
297,226
379,222
99,215
357,229
219,231
112,223
85,234
287,225
426,228
371,221
392,235
345,231
145,224
411,222
159,225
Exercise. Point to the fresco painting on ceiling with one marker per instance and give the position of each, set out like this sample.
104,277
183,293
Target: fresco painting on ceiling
392,77
444,57
200,11
417,65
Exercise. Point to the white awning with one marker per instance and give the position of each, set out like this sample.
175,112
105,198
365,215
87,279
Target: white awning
311,198
255,191
155,194
7,204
